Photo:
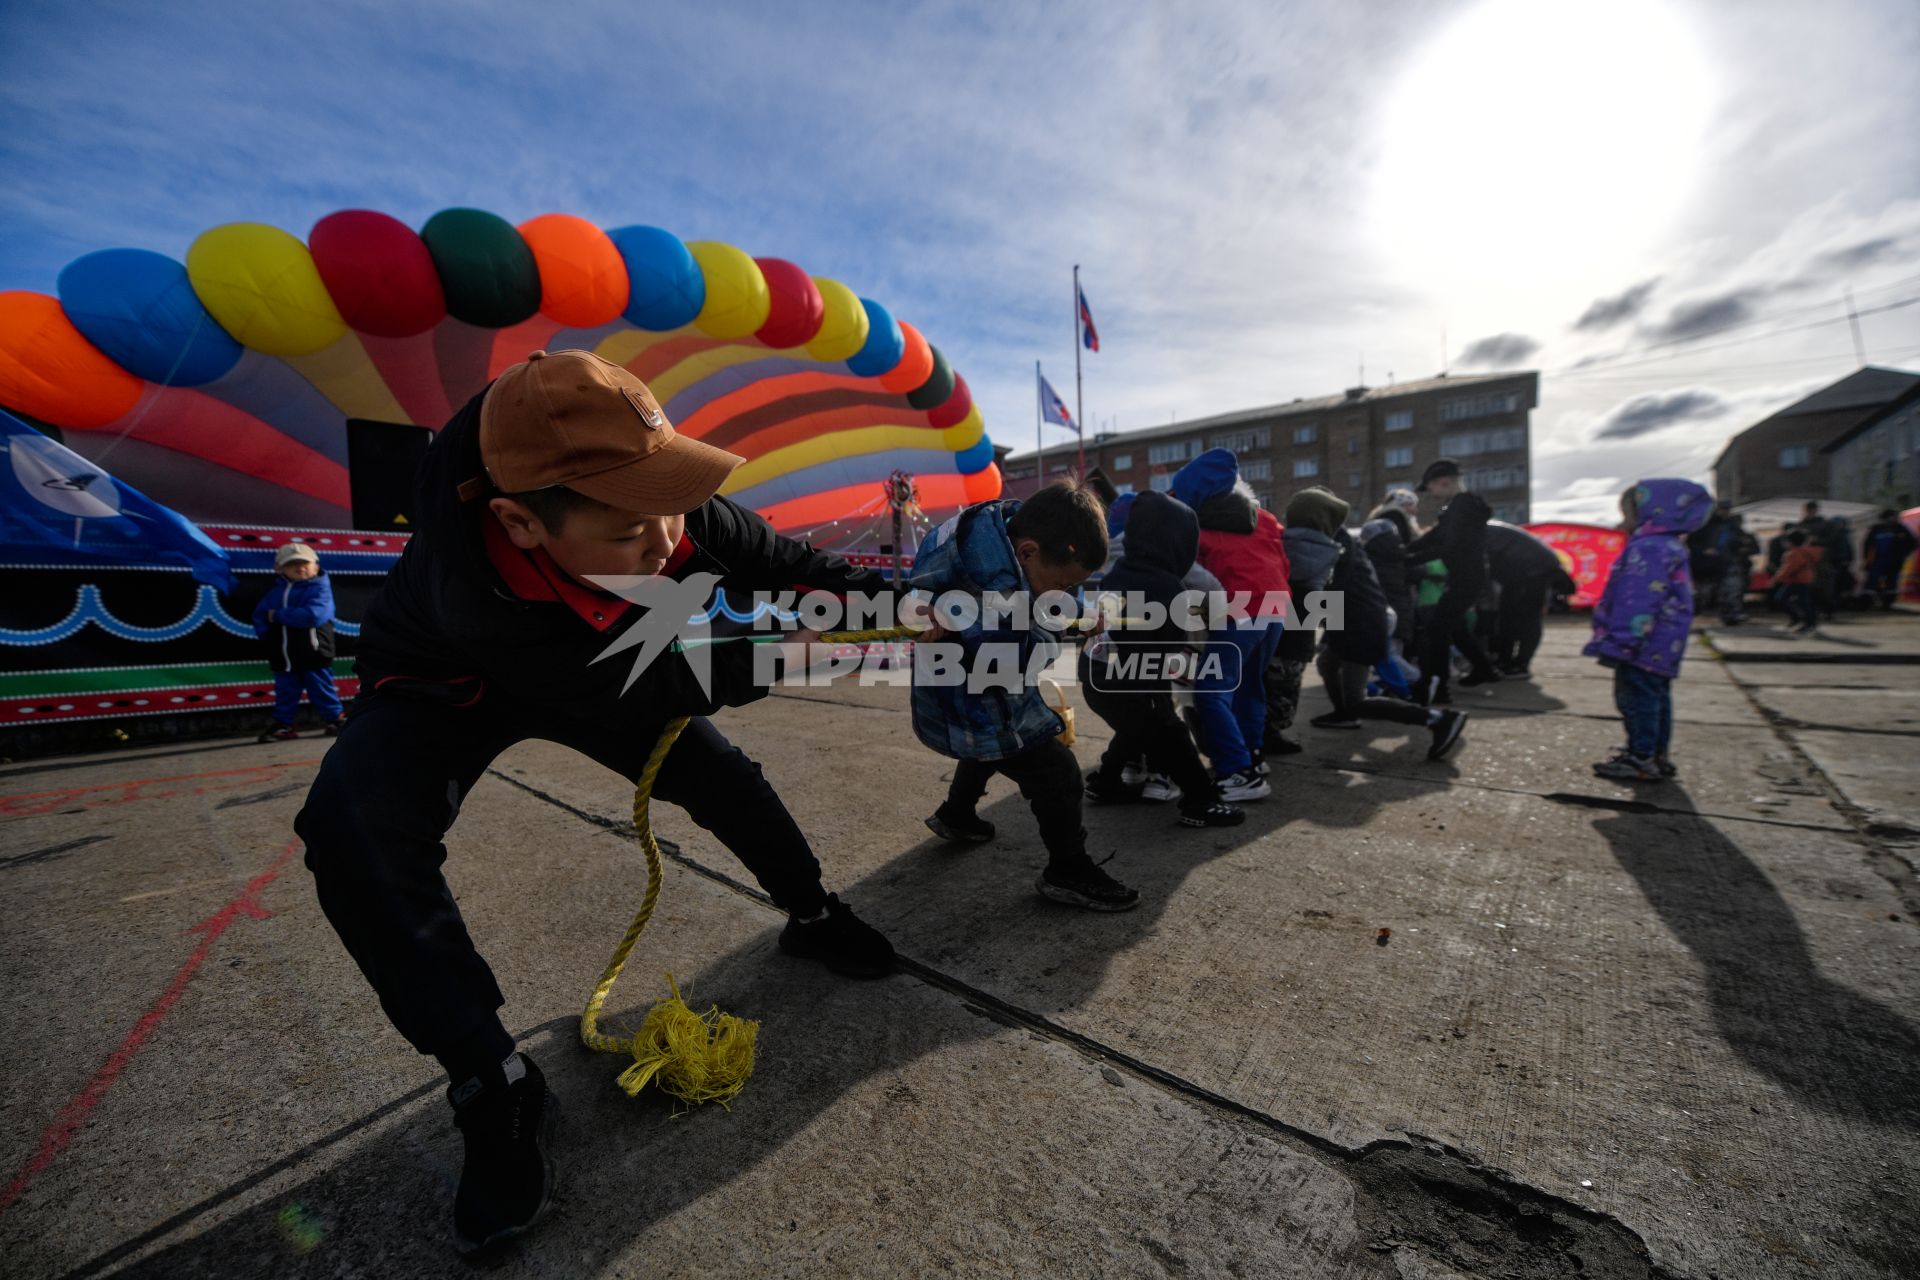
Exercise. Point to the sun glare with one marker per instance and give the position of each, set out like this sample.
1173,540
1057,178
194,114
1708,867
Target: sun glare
1540,142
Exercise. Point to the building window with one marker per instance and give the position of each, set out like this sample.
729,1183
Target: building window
1171,451
1256,469
1123,488
1304,467
1240,441
1263,498
1353,445
1398,458
1122,461
1479,406
1400,420
1162,483
1355,479
1307,434
1511,512
1469,443
1796,456
1490,478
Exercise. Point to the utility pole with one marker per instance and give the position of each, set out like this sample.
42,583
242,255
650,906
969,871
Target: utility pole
1853,319
1039,433
1079,410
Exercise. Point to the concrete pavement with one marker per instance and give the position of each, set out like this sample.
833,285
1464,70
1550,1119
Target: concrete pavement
1613,1031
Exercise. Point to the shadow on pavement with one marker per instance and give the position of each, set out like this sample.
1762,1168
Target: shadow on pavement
1826,1043
382,1204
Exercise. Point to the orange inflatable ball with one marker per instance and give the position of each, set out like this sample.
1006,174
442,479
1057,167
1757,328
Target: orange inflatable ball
50,372
583,278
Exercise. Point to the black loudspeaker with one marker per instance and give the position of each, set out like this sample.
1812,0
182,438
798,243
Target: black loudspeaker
382,458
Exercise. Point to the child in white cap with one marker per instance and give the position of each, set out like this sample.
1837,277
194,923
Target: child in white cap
295,618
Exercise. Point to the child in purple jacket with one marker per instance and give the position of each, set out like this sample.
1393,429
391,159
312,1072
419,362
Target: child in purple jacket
1641,624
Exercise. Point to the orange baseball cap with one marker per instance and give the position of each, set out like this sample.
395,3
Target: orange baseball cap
571,418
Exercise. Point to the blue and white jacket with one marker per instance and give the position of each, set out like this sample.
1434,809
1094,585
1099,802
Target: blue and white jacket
300,638
972,553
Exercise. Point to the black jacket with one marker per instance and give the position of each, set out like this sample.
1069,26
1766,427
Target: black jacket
444,625
1459,539
1163,537
1364,634
1514,555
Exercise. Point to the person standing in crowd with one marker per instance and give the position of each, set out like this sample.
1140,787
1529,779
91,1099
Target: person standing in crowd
1737,550
1526,571
1798,581
1312,517
1240,545
1127,671
1888,545
1350,651
1706,556
1641,623
1384,538
1459,538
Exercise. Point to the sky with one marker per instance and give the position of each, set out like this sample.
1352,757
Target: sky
1659,204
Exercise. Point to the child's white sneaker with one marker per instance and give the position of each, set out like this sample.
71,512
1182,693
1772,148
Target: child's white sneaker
1238,788
1158,788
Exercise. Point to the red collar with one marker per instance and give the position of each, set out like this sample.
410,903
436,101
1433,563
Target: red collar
532,575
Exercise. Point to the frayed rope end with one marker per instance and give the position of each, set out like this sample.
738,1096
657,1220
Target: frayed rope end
696,1057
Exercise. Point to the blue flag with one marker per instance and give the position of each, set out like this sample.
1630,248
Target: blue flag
58,508
1053,408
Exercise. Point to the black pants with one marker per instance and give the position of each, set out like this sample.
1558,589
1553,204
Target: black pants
1523,608
393,784
1445,629
1048,776
1347,686
1145,724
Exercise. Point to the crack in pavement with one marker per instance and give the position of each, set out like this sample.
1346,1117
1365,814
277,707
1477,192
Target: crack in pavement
1882,858
1415,1192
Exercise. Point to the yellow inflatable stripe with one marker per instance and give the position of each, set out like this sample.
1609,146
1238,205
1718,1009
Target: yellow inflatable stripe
848,444
344,374
707,363
631,344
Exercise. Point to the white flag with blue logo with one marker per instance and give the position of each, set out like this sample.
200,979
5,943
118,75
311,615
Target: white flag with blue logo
58,508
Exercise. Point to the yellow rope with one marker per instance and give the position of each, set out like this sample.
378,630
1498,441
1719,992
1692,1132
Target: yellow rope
696,1057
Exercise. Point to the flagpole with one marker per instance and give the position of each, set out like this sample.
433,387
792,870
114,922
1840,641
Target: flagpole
1039,434
1079,409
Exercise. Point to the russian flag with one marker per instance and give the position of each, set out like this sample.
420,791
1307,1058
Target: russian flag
1088,334
1053,408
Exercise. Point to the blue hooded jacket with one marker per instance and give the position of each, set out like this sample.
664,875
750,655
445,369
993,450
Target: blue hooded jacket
972,553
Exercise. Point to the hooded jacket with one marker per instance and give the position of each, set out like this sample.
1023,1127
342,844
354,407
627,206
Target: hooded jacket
1459,539
1888,544
1363,634
1645,611
1385,539
1314,516
972,553
300,638
1163,539
445,626
1514,555
1240,541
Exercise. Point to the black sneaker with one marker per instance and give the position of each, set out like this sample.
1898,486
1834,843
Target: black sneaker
960,828
1446,733
846,944
1279,744
506,1181
1217,814
279,733
1079,882
1334,720
1100,791
1474,678
333,727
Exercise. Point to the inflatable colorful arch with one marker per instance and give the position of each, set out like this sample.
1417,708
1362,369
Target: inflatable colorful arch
223,386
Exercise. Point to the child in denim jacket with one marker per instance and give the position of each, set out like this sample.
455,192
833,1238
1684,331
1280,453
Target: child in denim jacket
1050,542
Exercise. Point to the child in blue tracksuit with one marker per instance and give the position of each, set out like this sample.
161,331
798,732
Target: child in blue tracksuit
295,618
971,698
1641,624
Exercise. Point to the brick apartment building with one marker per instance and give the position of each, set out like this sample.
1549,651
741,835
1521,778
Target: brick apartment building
1358,444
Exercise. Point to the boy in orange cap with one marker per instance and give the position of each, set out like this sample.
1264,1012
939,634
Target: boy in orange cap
487,632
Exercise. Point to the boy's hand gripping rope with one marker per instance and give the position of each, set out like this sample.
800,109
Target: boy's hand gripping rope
696,1057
